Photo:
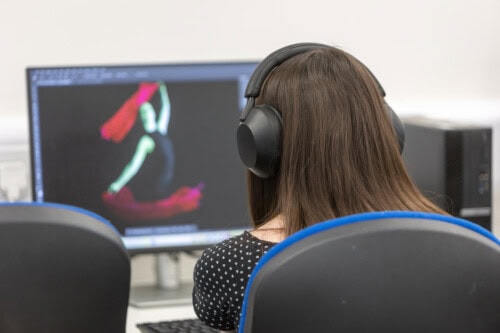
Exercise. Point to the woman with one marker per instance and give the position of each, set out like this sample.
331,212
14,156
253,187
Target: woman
339,155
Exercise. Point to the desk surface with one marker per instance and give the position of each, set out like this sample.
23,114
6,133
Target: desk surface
137,315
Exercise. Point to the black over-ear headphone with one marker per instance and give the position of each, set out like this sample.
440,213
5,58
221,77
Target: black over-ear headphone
259,131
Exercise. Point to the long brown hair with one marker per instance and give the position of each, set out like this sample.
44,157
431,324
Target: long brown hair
340,155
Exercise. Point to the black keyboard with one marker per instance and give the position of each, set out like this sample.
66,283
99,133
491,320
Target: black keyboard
176,326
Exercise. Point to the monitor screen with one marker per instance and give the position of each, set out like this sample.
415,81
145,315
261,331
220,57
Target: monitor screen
151,148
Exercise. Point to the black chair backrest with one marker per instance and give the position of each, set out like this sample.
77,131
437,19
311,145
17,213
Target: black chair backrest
62,269
378,272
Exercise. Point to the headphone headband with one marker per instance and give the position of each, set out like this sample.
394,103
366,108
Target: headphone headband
274,60
267,65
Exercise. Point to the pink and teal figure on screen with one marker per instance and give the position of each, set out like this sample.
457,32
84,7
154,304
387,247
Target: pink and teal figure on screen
153,156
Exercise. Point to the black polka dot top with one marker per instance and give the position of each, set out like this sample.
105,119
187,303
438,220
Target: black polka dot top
220,278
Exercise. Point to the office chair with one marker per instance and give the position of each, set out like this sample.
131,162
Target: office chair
378,272
62,269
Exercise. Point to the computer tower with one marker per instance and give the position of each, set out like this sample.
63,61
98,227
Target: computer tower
451,163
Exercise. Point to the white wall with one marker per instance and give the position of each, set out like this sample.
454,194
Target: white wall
419,49
438,57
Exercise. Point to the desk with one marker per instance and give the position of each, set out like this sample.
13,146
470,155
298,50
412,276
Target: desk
137,315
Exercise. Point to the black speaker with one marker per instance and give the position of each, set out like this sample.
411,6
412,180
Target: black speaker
259,131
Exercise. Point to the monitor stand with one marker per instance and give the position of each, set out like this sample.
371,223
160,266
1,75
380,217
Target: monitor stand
168,289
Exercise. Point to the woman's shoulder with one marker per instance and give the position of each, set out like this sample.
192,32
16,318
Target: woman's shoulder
243,243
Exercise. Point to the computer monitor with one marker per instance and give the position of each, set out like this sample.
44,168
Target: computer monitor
149,147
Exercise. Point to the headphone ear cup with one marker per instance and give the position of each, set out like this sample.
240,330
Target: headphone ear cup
259,140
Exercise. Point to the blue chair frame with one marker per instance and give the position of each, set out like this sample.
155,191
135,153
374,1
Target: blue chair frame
63,269
353,274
